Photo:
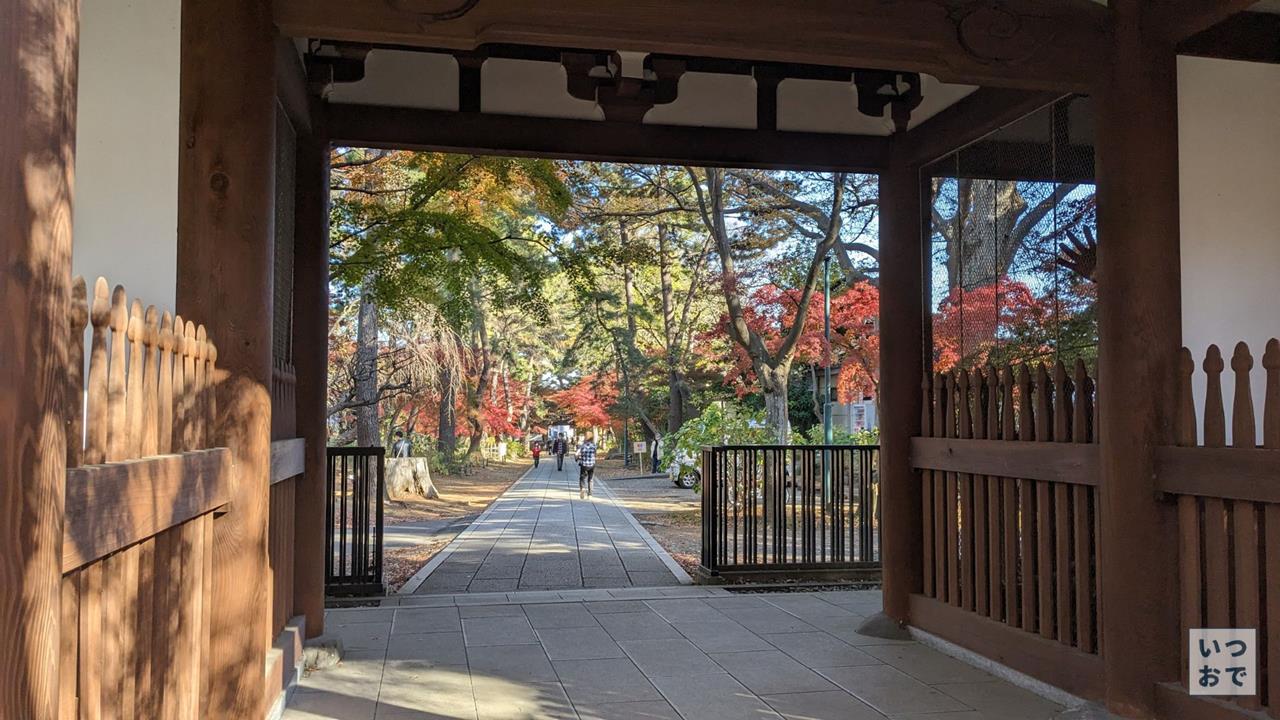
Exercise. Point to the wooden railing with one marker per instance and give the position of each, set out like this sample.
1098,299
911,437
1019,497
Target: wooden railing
1010,518
790,510
143,488
286,465
1229,509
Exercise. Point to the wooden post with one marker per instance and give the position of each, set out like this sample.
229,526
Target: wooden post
38,49
1139,326
901,367
311,343
225,261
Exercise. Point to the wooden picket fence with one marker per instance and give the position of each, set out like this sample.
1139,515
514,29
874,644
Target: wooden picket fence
1229,508
144,483
1010,518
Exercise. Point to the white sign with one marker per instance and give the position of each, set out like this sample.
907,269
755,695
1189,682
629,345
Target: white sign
1223,661
638,446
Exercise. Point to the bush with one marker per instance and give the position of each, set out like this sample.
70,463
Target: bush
719,424
840,437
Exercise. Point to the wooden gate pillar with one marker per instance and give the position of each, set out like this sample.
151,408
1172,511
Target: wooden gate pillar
902,352
311,350
38,49
1139,327
225,268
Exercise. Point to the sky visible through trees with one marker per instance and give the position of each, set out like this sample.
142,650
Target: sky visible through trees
477,298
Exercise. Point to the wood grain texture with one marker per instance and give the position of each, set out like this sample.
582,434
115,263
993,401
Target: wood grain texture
227,109
39,42
110,507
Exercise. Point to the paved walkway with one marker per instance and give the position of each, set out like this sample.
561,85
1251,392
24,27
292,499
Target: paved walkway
691,653
540,536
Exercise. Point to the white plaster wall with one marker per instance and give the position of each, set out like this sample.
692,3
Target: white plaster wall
126,195
1229,174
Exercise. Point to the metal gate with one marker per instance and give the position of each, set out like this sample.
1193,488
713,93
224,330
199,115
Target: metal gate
353,521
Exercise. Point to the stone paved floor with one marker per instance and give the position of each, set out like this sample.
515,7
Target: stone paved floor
664,653
540,536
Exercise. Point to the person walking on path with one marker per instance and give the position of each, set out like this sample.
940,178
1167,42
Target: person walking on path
586,457
558,447
537,453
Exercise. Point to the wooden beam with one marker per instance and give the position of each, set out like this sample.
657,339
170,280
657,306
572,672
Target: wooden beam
39,41
975,116
1178,20
1232,473
226,191
1249,36
483,133
113,506
288,458
1139,329
902,352
1046,44
1072,463
311,365
291,86
1174,701
1060,665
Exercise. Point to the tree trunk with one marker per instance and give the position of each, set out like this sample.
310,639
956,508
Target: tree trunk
476,395
366,380
447,443
773,381
677,387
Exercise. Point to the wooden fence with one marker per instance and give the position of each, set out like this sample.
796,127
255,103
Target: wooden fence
1010,519
281,507
1229,508
143,489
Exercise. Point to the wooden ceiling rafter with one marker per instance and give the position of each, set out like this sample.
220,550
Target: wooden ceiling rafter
1035,44
1248,36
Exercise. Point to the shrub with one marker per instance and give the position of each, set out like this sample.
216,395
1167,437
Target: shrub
719,424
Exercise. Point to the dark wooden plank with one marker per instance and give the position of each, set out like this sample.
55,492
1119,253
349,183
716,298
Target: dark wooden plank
1182,19
1189,577
1173,701
571,139
1271,519
1053,462
1139,327
112,506
1223,473
1078,673
951,40
311,330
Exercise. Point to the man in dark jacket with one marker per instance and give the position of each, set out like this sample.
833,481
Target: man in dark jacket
559,447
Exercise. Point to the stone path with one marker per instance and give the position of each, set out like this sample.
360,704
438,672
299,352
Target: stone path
540,536
671,653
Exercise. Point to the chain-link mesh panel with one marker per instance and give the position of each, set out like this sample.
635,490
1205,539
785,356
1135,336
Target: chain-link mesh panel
1013,244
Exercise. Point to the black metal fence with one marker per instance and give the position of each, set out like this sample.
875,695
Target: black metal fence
787,511
353,521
